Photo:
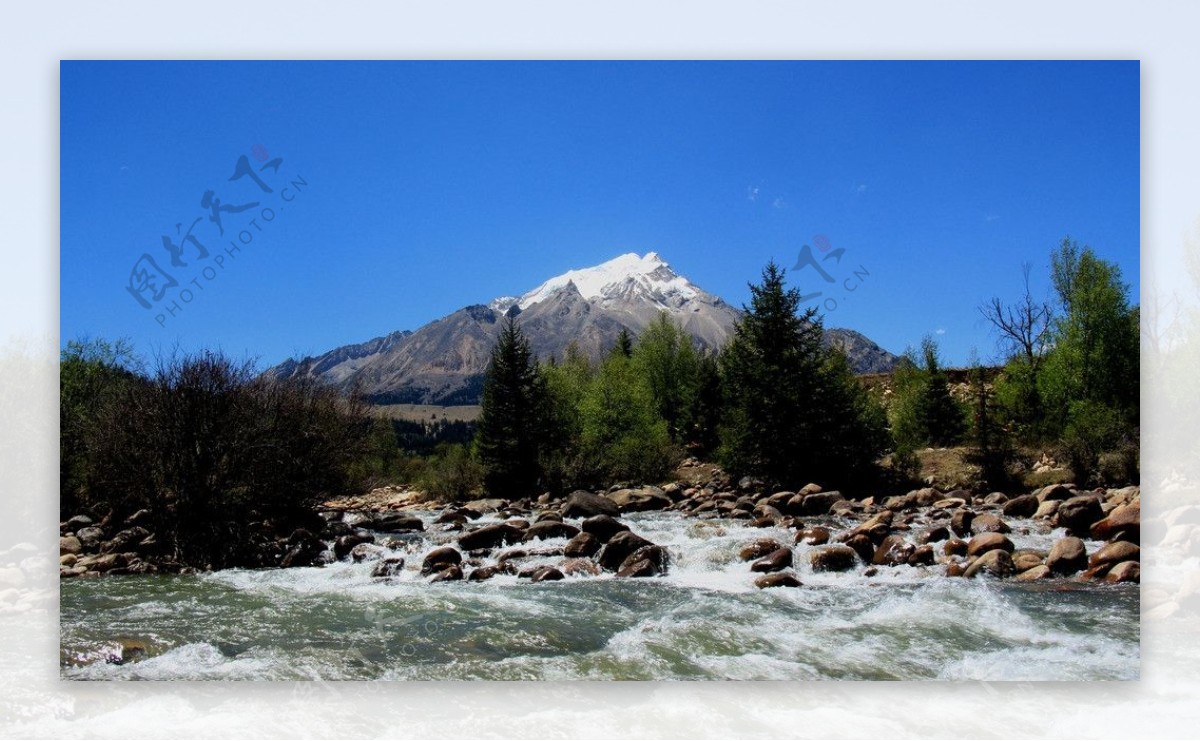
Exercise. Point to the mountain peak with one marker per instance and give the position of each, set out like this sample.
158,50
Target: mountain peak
648,274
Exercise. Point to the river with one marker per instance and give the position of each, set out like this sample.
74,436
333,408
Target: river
704,620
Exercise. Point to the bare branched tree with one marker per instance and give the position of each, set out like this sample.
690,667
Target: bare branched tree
1024,326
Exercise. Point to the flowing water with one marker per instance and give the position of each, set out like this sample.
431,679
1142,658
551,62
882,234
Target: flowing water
705,620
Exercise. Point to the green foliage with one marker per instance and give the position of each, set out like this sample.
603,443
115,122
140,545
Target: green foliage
793,412
92,374
666,359
566,385
923,412
512,420
1018,402
452,474
703,419
621,434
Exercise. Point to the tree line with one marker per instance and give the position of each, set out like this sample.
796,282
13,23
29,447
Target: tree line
213,448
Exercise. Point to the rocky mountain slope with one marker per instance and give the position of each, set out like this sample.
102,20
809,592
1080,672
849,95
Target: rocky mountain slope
444,361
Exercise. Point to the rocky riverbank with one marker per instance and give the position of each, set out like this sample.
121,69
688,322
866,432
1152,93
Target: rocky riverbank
953,533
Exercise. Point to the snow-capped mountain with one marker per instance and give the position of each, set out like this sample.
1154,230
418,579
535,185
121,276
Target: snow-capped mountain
444,361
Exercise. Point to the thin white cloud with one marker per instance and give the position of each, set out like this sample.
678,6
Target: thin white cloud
752,192
940,330
778,203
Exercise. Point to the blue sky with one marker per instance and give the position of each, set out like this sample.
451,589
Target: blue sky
408,190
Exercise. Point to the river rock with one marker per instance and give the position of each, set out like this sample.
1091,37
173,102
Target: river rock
650,560
833,558
1022,506
1067,556
988,541
1078,514
893,551
546,573
583,545
996,497
483,573
346,543
1025,560
618,548
934,534
776,560
603,527
440,558
778,579
759,548
960,522
862,545
1123,523
90,538
550,529
1124,572
483,506
490,536
1047,509
989,523
819,503
69,544
813,535
1114,553
995,562
549,514
389,566
77,523
582,503
1054,492
395,522
1041,571
365,552
644,499
922,556
452,572
580,567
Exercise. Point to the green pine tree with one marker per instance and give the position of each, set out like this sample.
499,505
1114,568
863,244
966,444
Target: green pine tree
511,423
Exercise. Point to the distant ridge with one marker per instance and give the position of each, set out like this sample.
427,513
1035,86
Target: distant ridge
443,362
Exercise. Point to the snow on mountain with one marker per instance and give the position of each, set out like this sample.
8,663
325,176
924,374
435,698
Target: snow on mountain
617,279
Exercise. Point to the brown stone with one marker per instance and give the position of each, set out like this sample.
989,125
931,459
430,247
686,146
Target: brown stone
1067,556
759,548
779,579
777,560
995,562
988,541
833,558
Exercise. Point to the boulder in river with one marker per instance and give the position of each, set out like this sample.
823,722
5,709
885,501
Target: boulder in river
1114,553
618,548
582,503
603,527
960,522
440,558
989,523
833,558
1067,556
1022,506
778,579
453,572
395,522
1037,573
995,562
69,544
490,536
759,548
1122,523
1078,514
893,551
389,566
546,573
582,545
635,564
988,541
776,560
550,529
644,499
819,503
1124,572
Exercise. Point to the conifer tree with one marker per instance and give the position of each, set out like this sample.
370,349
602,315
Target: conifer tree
511,422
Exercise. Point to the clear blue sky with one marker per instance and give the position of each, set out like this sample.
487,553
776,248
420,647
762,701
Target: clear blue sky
433,185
